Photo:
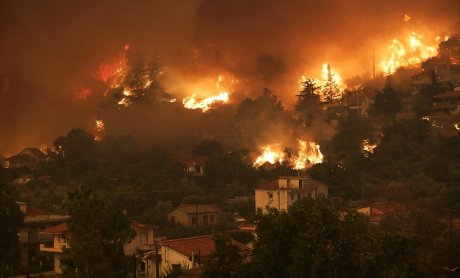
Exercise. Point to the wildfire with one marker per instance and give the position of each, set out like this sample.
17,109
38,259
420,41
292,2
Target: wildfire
308,154
330,84
367,148
269,156
193,102
409,52
206,103
100,128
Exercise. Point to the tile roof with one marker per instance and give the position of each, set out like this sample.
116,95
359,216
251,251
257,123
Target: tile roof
201,208
193,160
56,230
203,245
450,94
268,185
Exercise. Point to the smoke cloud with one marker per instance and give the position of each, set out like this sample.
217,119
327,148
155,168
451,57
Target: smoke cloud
51,51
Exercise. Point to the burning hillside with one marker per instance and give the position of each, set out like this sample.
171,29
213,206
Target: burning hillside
308,154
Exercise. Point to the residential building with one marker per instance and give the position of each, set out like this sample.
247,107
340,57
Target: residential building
447,103
144,240
379,210
283,192
186,252
194,165
23,179
61,241
198,215
29,157
141,243
30,236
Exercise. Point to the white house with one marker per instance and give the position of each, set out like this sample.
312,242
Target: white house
281,193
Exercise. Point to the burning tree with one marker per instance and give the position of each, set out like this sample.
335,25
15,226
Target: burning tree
330,90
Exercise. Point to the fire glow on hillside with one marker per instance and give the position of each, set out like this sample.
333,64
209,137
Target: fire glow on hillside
410,51
308,154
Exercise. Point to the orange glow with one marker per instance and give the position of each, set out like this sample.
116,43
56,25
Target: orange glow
413,50
308,155
367,148
217,94
193,102
330,84
269,156
100,127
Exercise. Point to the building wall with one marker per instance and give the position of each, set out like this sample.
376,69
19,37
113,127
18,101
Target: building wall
139,242
289,191
170,257
180,217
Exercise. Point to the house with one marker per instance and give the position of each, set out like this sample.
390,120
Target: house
198,215
141,243
189,252
281,193
61,241
23,179
193,165
447,103
29,157
378,210
37,220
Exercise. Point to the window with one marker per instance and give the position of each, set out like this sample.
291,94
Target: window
292,196
193,219
144,238
173,219
309,195
270,195
205,219
211,218
300,184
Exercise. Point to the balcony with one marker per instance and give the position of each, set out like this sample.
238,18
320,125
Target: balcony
51,247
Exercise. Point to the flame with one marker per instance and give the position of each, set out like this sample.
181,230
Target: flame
308,154
100,128
323,83
367,148
412,51
269,156
193,102
457,126
205,103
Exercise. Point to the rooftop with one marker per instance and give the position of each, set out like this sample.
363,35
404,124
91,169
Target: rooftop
200,208
450,94
202,245
56,230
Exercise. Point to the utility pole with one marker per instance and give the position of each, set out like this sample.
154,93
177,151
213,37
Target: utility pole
157,261
196,215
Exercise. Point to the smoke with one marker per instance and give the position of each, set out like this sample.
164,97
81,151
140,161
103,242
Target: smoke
50,52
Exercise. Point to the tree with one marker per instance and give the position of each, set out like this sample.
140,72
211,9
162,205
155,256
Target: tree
387,102
98,229
11,218
330,91
226,260
308,102
310,240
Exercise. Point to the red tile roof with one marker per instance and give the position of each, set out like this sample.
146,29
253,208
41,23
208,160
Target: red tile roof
203,245
193,160
201,208
450,94
268,185
56,230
